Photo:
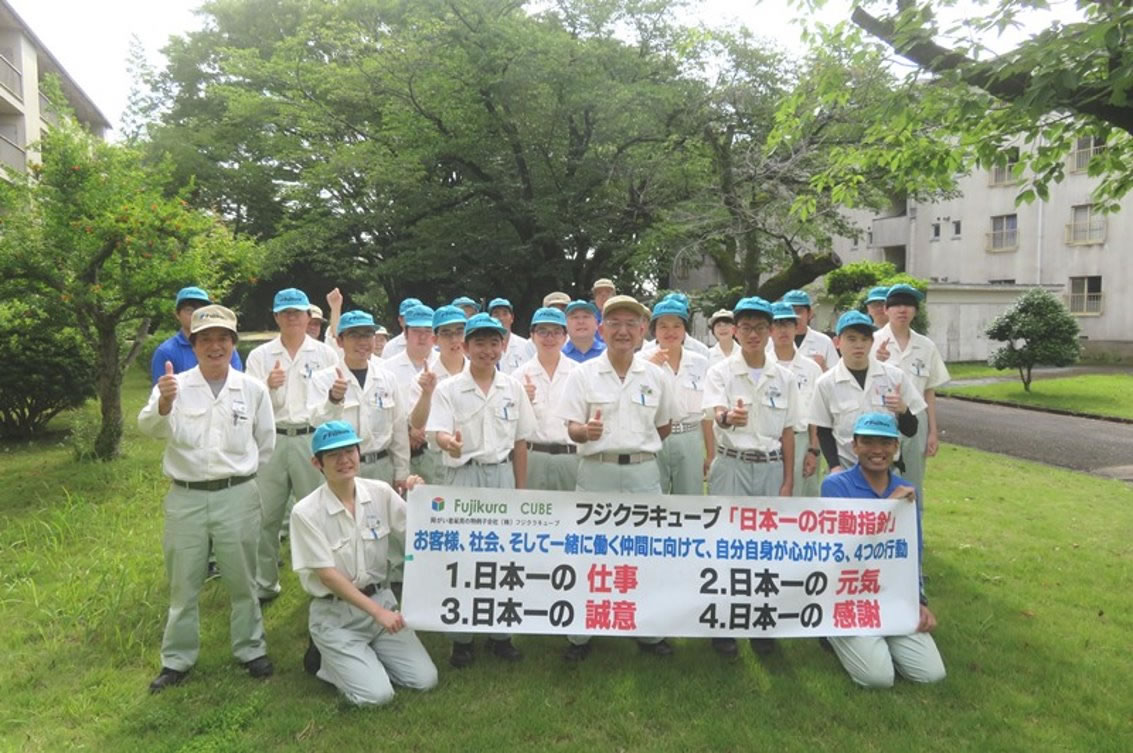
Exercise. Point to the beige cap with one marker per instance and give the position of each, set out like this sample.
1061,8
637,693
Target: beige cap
315,312
557,298
604,282
719,314
624,302
381,331
211,316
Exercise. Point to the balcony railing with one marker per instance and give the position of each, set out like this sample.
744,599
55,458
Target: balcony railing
1003,240
1001,175
1086,303
11,78
1080,158
47,111
1084,233
12,154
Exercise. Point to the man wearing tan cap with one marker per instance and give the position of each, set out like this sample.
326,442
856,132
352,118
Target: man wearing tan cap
220,432
723,326
618,408
602,291
556,300
316,322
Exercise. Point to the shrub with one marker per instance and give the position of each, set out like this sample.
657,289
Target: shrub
1037,329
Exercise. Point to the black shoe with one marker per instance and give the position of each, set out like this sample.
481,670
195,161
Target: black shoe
763,646
661,648
167,679
312,660
577,652
260,667
504,649
213,572
726,647
463,654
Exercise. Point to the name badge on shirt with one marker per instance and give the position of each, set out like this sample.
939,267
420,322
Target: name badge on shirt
919,366
879,393
308,369
239,412
774,397
382,399
508,410
372,525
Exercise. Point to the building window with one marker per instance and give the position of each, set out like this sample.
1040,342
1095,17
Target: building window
955,228
1003,175
1086,295
1004,281
1084,150
1004,234
936,231
1085,226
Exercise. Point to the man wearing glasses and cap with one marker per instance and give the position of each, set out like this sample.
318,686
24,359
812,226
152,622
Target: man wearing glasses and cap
875,305
396,343
286,365
346,536
177,349
220,432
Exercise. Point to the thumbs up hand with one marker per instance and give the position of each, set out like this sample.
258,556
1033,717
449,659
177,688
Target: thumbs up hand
594,427
455,445
277,376
659,356
882,353
894,401
738,416
529,386
427,379
338,389
167,388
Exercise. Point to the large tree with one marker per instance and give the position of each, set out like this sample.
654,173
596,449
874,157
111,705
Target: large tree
101,234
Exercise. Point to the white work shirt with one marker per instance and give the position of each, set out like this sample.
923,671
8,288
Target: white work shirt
519,351
210,438
838,400
361,547
379,411
921,359
406,374
772,403
806,372
394,346
690,344
549,427
688,386
814,343
489,424
290,401
716,354
632,410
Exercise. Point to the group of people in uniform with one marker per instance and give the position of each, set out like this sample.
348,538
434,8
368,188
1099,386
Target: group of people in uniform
607,395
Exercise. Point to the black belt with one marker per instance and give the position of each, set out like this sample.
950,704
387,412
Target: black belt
373,457
215,485
418,452
294,432
553,449
368,590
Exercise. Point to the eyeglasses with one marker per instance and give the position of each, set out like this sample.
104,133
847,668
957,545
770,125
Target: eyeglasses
450,334
747,329
547,331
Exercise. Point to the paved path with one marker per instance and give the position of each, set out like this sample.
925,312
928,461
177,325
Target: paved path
1082,444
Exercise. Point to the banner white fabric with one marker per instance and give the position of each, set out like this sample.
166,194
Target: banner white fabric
497,560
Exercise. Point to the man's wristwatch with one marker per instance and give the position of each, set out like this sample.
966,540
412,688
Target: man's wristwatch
814,451
722,419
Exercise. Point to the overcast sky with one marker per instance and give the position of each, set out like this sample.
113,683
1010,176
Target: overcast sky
92,39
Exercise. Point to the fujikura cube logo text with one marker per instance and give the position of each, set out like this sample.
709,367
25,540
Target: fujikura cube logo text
438,504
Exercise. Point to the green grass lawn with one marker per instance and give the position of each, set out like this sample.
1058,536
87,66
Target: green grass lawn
975,370
1029,571
1103,394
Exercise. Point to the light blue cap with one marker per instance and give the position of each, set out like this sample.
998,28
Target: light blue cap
876,425
670,306
854,319
407,304
781,311
587,305
481,322
548,316
290,298
191,294
499,303
419,316
796,298
332,435
465,301
877,294
752,305
354,319
677,296
905,290
448,315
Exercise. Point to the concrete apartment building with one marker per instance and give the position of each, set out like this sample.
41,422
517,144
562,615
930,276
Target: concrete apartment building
981,252
24,110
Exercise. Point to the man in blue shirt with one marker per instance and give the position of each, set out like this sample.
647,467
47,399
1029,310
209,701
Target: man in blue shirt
582,332
177,349
870,659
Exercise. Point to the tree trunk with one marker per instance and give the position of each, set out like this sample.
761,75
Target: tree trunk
1025,375
109,385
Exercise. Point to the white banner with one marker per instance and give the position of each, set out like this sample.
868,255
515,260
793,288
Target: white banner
499,560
